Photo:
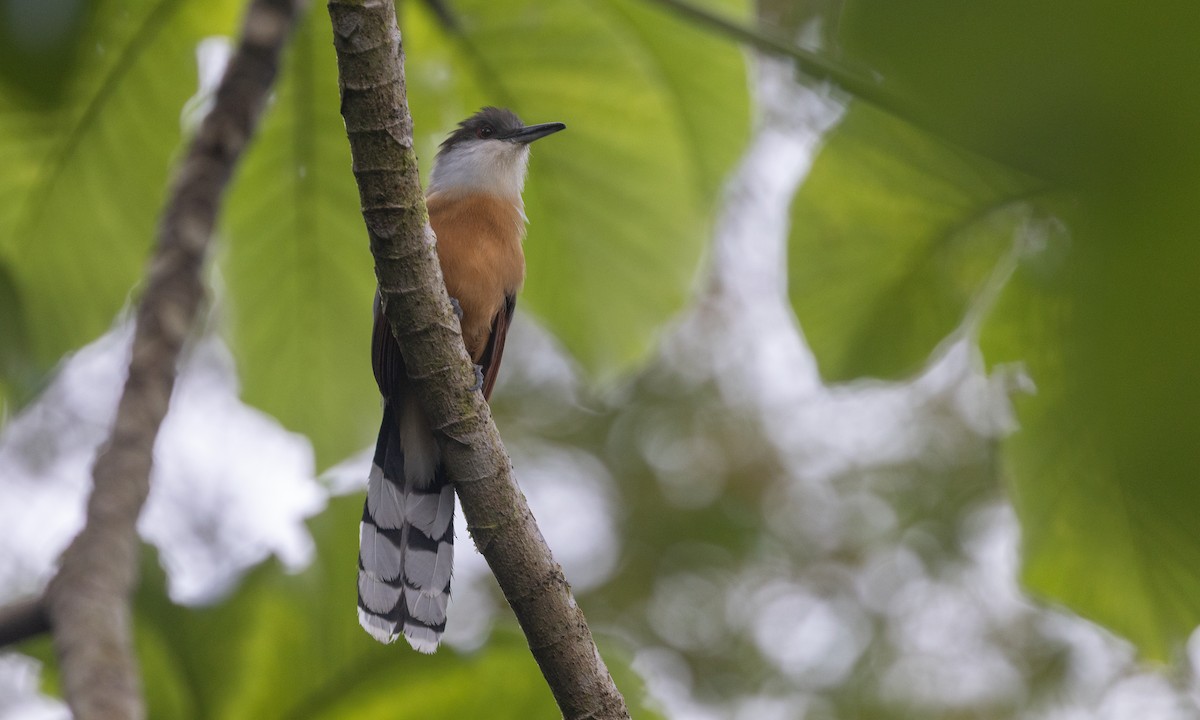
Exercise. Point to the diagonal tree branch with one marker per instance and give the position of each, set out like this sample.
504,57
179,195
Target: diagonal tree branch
86,605
375,109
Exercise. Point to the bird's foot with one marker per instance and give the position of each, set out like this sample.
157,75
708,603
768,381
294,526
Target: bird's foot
458,313
478,378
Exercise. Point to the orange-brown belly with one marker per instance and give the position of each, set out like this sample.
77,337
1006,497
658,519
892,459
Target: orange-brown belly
479,246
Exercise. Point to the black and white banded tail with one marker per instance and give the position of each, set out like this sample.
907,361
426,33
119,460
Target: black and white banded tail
406,538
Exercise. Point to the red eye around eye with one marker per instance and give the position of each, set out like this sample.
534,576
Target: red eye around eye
485,132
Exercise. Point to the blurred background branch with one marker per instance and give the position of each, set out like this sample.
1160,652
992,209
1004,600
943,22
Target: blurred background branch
22,620
87,601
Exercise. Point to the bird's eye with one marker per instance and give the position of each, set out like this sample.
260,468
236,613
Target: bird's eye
485,132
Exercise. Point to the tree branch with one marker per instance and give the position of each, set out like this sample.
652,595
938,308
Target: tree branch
87,602
22,620
375,109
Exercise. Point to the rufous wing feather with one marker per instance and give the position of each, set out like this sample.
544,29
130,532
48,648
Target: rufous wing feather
494,351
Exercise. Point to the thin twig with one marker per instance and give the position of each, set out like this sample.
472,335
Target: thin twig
87,602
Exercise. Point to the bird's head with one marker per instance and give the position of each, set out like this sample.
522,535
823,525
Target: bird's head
489,152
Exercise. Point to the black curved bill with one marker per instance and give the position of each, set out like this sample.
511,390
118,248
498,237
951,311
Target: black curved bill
530,133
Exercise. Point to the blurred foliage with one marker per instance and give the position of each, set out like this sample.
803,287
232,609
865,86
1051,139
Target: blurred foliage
1091,100
1103,470
657,111
17,374
289,651
822,592
287,646
298,277
40,48
893,235
1044,208
1090,94
85,174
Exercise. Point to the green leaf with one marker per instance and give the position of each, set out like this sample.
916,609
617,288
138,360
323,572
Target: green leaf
84,178
618,205
18,376
289,646
1103,470
1078,92
893,235
1098,99
296,263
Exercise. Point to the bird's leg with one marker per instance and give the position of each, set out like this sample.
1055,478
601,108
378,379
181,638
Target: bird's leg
478,378
458,313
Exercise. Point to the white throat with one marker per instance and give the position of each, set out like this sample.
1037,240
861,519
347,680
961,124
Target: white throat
491,166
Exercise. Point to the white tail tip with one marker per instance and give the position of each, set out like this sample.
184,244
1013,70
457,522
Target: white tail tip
422,639
380,629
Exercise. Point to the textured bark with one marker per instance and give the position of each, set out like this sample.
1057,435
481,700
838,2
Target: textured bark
87,602
371,77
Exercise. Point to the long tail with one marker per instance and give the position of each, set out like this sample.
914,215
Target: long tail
406,538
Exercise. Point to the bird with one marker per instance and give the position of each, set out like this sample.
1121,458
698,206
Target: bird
406,536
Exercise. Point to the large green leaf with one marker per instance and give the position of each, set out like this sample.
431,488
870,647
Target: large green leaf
1103,470
1080,91
894,234
289,646
84,177
1097,99
295,260
618,205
